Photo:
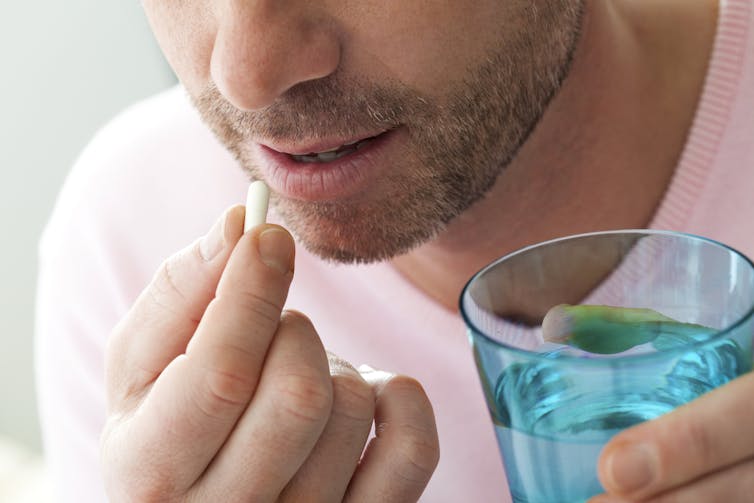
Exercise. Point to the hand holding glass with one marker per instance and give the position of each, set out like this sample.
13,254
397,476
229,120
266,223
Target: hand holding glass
556,404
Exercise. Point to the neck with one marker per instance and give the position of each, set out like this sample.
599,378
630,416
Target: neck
603,154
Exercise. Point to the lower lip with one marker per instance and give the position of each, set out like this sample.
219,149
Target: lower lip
324,181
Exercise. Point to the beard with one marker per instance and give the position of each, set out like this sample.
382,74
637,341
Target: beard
457,145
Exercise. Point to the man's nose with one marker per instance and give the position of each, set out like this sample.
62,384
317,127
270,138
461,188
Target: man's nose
265,47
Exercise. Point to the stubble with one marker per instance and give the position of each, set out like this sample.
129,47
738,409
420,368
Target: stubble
457,147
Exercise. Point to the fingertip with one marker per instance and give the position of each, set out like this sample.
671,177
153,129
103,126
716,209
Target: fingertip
627,467
401,458
402,396
223,235
234,220
297,320
255,233
262,261
408,386
276,249
260,229
605,465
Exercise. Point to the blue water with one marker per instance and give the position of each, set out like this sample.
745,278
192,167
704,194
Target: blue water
551,428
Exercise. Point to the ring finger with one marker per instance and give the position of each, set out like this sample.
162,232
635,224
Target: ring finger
337,452
281,425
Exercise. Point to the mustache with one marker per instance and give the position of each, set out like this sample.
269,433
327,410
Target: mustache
326,106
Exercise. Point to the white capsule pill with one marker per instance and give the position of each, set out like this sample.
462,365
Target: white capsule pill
257,201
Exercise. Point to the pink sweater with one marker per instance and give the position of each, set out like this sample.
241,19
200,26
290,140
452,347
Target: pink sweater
155,179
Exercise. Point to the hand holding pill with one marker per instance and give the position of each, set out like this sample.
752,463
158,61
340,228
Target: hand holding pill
215,393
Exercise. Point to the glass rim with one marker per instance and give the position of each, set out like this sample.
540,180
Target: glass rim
627,359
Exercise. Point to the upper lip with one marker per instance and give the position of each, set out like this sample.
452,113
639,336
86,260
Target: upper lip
316,145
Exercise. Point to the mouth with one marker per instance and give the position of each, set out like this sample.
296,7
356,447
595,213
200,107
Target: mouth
328,169
322,155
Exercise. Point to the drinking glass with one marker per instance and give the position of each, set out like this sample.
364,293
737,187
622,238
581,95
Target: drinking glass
554,406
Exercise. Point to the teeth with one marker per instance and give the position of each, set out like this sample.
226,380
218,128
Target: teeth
331,155
328,156
322,157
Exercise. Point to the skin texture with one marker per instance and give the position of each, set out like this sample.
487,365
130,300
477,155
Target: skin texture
478,115
215,394
579,128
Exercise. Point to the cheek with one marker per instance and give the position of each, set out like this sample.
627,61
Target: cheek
185,32
427,45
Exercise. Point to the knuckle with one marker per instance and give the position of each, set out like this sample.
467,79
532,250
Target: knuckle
223,391
696,435
418,455
305,396
256,304
124,386
164,290
353,398
409,389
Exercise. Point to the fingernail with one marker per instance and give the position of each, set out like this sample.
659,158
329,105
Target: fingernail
214,242
276,249
364,368
632,467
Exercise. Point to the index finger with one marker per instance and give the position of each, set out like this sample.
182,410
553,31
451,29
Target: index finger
196,401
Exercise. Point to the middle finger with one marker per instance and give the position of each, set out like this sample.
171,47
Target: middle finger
281,425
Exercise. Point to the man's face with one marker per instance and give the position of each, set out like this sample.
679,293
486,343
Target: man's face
437,96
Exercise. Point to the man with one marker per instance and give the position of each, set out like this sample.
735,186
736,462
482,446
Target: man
424,139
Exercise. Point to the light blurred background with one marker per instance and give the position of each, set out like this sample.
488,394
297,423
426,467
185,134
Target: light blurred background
67,67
